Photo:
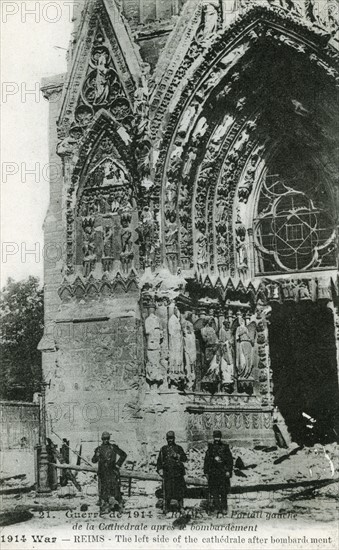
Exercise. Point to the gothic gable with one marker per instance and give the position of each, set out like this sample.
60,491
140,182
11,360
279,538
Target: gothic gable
101,204
105,69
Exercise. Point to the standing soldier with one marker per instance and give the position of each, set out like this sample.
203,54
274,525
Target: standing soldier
170,467
108,472
218,467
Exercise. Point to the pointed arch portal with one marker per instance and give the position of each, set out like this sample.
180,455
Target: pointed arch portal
249,190
264,110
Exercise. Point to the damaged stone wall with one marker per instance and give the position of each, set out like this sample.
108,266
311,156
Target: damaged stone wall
98,371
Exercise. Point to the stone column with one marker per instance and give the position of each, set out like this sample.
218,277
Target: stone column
43,466
54,230
251,252
265,378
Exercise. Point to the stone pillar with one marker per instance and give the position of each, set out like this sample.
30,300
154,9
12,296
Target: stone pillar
43,485
251,253
265,378
54,230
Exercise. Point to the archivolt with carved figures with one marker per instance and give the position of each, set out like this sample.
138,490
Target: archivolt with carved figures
221,132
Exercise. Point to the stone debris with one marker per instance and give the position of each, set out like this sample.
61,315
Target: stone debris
306,466
11,479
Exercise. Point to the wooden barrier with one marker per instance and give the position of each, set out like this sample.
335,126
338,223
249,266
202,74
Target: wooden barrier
198,482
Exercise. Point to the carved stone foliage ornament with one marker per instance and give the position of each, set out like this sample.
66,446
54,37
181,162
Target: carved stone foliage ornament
95,289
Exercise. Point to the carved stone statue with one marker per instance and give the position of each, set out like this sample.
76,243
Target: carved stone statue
324,292
176,353
145,231
108,242
288,288
220,209
227,365
304,293
171,194
88,248
187,119
246,186
141,101
162,314
126,255
172,232
190,350
113,175
201,241
212,362
154,369
273,291
242,259
109,254
102,85
211,10
184,241
245,343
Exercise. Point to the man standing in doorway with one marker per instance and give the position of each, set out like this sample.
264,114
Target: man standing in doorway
218,468
108,473
170,466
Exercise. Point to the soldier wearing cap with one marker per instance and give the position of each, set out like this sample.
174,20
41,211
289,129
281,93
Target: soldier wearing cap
218,468
170,466
108,472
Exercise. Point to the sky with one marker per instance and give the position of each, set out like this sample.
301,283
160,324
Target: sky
34,39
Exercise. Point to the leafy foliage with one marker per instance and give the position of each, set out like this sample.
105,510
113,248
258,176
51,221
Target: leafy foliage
21,329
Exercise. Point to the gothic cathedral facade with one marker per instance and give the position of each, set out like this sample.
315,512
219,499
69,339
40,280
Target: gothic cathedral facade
192,234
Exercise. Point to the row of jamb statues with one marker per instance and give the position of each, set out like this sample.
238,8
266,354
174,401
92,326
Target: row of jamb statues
200,351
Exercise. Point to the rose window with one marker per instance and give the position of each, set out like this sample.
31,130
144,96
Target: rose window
294,230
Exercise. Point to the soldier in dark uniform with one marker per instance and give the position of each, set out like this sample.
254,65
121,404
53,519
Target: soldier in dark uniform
52,471
218,468
170,466
108,472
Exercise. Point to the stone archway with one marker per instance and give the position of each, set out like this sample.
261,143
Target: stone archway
250,99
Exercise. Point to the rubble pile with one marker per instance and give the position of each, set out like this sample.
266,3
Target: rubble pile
195,463
143,465
254,466
330,491
12,484
293,464
259,469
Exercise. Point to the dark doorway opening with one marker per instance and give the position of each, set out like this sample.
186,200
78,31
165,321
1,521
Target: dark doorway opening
303,361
